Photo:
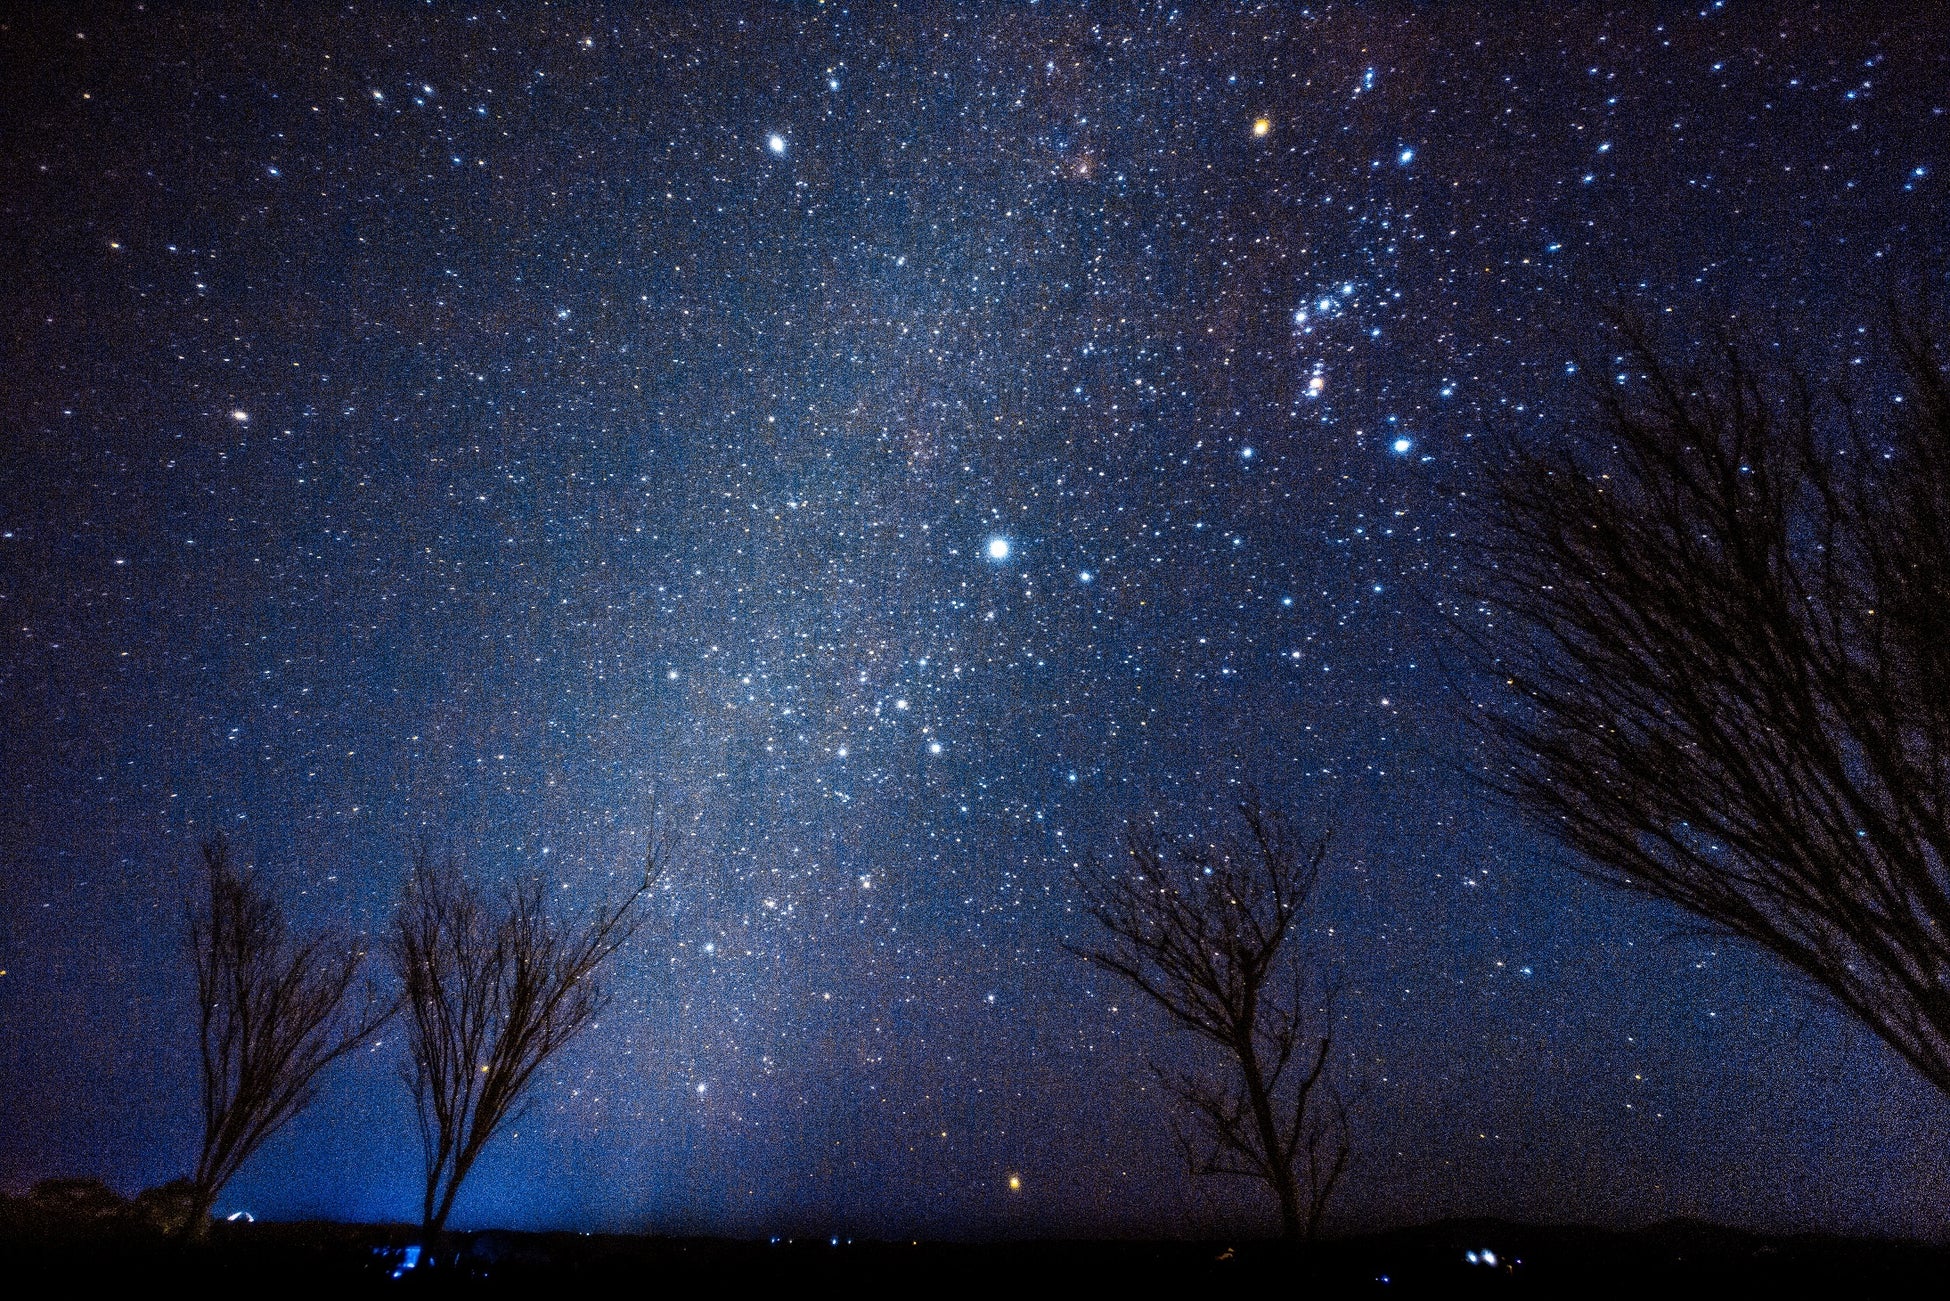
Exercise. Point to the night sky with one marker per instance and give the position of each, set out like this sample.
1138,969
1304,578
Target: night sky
912,441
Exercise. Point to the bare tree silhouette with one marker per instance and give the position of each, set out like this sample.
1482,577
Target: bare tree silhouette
272,1014
1723,623
493,987
1203,931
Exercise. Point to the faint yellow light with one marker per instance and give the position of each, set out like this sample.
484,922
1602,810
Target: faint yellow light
1015,1183
1262,126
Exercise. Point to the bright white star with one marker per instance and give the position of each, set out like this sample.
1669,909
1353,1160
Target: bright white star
998,548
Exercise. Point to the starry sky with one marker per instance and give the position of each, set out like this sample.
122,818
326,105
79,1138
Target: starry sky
911,441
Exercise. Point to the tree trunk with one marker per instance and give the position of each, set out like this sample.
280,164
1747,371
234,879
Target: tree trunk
428,1226
437,1223
437,1219
1279,1172
197,1227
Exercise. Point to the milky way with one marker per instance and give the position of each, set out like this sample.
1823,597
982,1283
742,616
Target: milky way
910,444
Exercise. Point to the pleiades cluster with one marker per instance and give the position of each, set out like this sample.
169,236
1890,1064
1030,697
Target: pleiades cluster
890,446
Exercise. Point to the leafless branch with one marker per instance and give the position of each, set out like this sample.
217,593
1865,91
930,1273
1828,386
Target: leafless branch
493,988
1203,931
272,1015
1723,625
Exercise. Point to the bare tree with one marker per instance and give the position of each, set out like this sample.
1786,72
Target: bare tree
273,1013
1203,931
494,985
1723,622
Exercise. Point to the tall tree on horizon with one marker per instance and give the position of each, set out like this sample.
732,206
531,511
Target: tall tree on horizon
494,985
1205,931
1720,619
272,1015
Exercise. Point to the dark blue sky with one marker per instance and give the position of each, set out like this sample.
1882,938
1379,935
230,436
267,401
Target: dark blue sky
913,441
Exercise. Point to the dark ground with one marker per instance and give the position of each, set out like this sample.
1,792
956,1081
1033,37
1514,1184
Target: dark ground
1440,1259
